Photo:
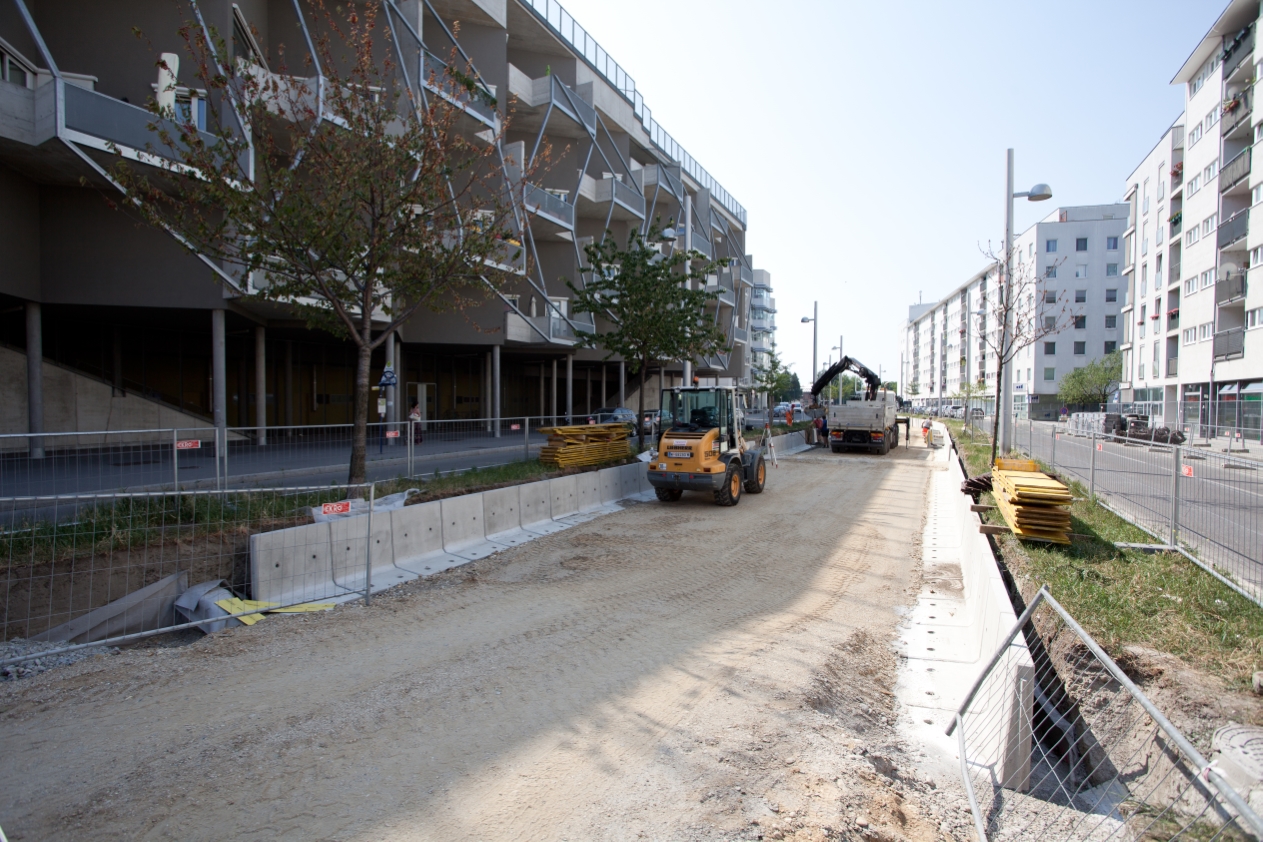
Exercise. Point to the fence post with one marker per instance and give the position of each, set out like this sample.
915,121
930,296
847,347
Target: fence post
175,460
1176,470
526,438
1052,461
412,435
218,460
368,556
1092,470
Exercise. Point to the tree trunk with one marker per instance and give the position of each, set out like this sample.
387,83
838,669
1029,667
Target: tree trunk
359,432
640,414
995,422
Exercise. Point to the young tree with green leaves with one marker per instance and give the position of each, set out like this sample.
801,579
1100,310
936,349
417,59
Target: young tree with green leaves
332,188
1093,383
772,380
655,304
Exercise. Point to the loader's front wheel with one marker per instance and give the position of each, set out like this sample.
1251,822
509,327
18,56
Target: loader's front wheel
755,484
730,493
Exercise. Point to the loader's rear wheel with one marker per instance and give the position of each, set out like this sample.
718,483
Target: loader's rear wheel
668,495
755,484
730,493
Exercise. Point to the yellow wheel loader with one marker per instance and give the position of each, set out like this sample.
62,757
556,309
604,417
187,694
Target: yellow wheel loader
702,448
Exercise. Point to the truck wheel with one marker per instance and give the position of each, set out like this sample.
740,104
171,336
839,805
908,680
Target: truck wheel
755,484
730,493
885,445
668,495
896,444
836,449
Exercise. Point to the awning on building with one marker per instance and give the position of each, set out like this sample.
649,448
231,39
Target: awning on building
1228,389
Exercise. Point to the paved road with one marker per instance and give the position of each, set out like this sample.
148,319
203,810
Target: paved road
1220,510
672,671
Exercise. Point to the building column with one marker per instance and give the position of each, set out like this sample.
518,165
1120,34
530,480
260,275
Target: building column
622,383
289,385
261,383
553,413
219,372
542,410
569,388
486,391
587,391
495,387
34,379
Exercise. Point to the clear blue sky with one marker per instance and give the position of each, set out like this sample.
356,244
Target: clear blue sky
866,140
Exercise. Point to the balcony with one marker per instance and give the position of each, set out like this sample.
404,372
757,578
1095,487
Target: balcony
476,103
1236,112
761,344
1238,50
1235,172
668,178
543,203
1176,221
1230,344
1231,288
747,274
1173,276
758,324
1173,366
1234,230
533,330
623,195
740,334
701,244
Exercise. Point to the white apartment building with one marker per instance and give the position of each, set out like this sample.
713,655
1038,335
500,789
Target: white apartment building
1073,259
1195,348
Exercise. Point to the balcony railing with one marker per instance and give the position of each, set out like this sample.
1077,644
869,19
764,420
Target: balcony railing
1237,49
747,274
1231,288
740,334
540,201
627,196
1173,276
1235,170
1173,366
1234,229
1236,110
1230,343
434,76
701,244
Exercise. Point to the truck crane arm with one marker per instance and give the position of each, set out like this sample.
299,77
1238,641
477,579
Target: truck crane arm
847,363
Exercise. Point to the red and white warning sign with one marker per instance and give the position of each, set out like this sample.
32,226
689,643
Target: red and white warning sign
392,434
189,444
515,426
1187,470
1100,446
336,508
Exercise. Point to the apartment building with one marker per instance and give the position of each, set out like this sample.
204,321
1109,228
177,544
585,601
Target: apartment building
1200,366
108,304
1070,265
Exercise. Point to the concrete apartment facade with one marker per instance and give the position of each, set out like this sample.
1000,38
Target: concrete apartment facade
120,314
1195,348
1073,263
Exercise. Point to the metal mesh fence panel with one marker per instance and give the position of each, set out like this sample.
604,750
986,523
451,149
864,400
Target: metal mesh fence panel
1057,743
87,567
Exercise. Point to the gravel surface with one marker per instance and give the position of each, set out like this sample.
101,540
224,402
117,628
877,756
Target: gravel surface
674,671
18,647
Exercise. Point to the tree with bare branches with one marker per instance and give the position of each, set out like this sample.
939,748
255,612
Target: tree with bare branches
1030,310
336,184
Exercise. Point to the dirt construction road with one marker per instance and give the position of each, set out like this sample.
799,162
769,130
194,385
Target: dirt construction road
672,671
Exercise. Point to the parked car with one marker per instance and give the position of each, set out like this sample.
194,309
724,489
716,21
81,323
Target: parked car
977,412
614,415
653,421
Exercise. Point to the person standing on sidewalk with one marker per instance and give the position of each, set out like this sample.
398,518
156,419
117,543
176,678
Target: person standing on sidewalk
414,417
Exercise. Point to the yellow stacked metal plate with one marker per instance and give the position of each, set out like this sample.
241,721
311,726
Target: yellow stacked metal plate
589,444
1033,504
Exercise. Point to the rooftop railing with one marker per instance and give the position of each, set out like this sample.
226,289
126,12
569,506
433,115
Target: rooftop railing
559,21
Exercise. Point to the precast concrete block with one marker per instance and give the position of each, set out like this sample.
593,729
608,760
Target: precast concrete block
418,538
292,565
350,546
630,481
564,495
502,512
536,507
611,485
464,530
588,491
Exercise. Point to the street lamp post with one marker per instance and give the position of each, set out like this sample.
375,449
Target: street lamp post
815,323
1004,396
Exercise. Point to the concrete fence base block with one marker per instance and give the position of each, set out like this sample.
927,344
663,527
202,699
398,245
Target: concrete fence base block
464,530
629,478
588,491
611,485
564,496
350,546
151,607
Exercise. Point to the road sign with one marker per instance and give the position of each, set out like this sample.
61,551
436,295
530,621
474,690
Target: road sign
336,508
1187,470
389,378
189,444
392,434
381,406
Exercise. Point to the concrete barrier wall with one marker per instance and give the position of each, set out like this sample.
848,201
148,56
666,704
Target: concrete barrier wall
329,561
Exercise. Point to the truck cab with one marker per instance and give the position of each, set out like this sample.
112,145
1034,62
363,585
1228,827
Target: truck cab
703,449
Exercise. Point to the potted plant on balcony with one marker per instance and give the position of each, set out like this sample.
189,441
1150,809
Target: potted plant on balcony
1231,104
1178,169
1176,218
